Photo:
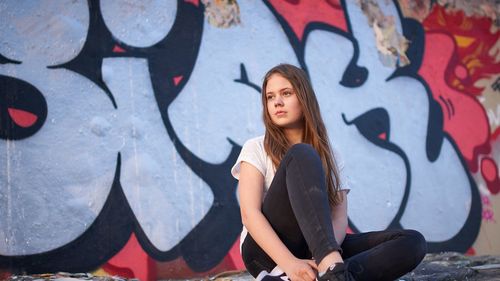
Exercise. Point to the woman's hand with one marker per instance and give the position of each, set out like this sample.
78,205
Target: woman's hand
301,270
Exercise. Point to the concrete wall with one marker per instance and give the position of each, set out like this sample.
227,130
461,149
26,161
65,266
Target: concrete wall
120,120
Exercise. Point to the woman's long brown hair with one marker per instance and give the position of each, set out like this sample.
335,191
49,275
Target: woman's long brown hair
275,141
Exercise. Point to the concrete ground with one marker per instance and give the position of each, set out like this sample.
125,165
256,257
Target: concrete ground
436,267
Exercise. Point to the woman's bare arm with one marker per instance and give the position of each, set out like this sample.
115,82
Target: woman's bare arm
339,218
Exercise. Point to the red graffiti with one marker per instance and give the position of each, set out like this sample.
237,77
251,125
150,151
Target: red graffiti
118,49
382,136
495,135
177,79
194,2
489,170
470,252
464,117
5,275
132,262
459,58
299,13
178,268
474,40
22,118
235,256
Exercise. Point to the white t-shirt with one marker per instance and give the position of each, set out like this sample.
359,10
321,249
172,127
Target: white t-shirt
253,152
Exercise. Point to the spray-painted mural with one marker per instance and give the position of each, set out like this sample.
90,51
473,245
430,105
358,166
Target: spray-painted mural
119,122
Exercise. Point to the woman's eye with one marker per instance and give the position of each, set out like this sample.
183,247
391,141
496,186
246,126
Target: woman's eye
287,93
269,97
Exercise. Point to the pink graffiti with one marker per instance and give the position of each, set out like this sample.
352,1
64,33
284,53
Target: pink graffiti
118,49
194,2
298,14
486,200
178,79
488,215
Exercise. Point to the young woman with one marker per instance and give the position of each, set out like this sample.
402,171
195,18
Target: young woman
293,202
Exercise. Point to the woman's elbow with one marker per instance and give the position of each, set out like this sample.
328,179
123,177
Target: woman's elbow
246,216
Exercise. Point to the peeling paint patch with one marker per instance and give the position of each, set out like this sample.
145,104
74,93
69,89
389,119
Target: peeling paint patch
416,9
490,99
476,8
390,43
420,9
495,52
222,13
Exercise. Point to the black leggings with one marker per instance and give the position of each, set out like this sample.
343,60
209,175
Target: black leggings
297,208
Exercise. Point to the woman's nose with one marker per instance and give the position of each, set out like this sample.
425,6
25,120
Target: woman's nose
278,101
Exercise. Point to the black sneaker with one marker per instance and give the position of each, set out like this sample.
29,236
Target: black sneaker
337,272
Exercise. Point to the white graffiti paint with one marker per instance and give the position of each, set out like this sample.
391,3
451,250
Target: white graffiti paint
212,107
139,23
167,198
54,197
51,198
54,33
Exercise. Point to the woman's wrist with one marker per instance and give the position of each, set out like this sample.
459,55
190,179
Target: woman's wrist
286,261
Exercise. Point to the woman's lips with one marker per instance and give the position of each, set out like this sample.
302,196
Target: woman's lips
280,113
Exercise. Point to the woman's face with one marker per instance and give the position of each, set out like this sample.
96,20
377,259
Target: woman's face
283,106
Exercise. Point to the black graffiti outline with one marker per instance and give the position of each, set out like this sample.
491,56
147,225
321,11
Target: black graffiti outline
26,97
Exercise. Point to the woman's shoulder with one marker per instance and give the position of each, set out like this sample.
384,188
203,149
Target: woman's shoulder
251,152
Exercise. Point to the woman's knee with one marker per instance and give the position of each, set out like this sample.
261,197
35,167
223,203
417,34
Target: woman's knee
417,242
303,151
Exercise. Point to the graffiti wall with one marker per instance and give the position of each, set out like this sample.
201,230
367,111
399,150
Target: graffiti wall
120,120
